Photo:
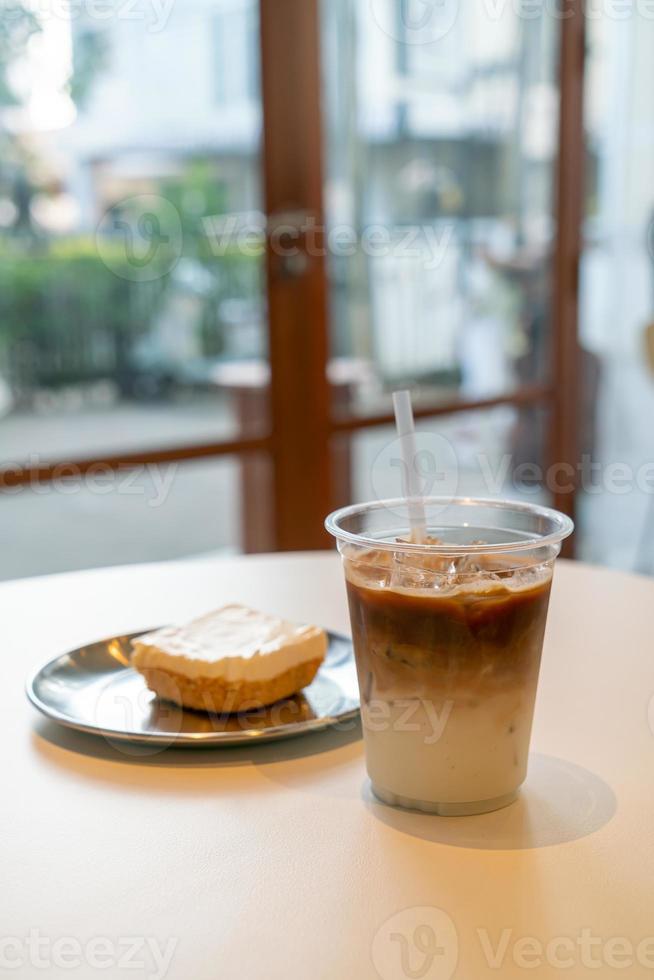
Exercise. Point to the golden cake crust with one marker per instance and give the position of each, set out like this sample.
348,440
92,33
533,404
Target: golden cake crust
216,695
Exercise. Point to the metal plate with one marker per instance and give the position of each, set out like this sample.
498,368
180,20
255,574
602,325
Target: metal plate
94,689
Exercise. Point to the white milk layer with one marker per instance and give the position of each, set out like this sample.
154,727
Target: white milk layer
451,751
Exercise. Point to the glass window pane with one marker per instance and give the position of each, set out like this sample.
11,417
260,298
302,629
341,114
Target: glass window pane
130,317
616,507
490,453
442,133
154,512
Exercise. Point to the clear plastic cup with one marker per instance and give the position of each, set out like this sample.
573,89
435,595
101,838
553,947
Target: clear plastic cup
448,637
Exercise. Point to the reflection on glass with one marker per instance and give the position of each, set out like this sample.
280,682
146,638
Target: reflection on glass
125,140
617,295
441,123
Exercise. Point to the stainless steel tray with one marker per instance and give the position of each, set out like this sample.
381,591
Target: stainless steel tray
94,689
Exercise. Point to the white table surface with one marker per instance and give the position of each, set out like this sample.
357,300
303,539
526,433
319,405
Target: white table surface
274,862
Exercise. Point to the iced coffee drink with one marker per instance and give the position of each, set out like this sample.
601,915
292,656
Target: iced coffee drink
448,637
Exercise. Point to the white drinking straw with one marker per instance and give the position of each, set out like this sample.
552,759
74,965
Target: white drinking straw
406,431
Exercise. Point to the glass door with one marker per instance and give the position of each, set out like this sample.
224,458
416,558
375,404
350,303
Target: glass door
133,332
442,128
230,229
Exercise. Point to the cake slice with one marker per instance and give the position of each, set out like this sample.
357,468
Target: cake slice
230,660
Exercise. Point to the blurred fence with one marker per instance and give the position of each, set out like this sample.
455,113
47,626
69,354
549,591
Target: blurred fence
67,319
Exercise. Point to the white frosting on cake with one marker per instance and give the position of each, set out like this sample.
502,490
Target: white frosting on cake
235,643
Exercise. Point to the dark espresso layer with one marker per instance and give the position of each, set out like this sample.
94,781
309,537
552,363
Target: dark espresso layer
406,642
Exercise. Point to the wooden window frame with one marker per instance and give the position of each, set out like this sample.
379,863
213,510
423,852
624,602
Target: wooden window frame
302,422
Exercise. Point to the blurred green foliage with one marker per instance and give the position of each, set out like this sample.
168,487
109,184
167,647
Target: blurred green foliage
66,317
71,312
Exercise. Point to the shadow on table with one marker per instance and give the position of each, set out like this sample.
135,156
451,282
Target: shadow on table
560,802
